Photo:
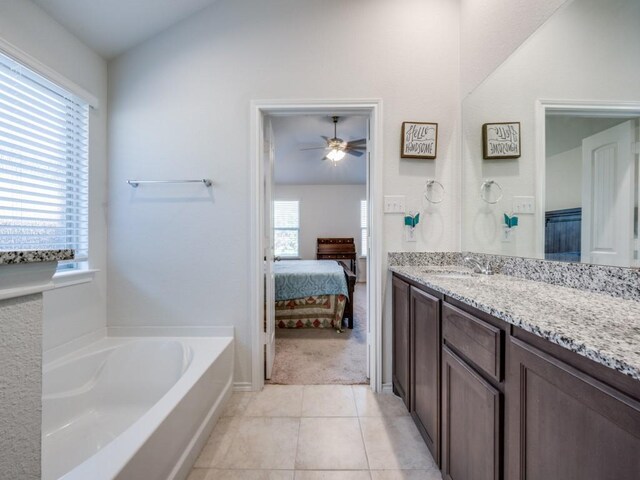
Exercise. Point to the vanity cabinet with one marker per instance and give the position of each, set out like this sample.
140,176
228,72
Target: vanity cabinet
472,415
401,337
471,422
494,402
425,367
565,423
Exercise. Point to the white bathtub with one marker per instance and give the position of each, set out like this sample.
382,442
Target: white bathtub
133,408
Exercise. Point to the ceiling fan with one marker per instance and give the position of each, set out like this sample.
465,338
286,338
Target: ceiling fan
337,148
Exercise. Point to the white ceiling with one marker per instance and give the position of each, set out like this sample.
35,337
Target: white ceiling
111,27
296,167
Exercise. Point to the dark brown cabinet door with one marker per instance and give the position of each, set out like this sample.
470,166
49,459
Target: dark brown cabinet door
564,424
401,350
470,423
425,367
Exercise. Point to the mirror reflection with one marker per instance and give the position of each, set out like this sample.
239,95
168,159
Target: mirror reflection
572,193
591,189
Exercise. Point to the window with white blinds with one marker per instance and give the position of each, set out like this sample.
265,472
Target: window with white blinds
43,164
364,221
286,228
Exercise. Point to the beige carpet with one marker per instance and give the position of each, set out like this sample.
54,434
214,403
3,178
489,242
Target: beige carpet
317,356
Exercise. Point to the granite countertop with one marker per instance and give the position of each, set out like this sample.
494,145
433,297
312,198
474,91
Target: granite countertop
32,256
597,326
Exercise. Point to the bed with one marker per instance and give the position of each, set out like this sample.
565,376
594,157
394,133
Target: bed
313,294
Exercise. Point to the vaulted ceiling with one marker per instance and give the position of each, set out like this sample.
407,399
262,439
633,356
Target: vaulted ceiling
111,27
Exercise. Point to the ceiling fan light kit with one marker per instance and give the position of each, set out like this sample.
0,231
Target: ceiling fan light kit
336,155
337,148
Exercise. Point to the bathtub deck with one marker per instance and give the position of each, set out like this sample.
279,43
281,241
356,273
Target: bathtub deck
71,444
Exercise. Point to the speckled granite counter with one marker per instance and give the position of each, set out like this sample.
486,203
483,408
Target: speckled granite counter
33,256
597,326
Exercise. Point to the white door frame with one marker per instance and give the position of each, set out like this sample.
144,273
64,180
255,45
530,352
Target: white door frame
588,108
372,108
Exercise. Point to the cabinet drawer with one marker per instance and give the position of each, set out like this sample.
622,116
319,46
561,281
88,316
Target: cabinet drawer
478,341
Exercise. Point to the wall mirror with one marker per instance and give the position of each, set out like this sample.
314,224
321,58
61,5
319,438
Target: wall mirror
574,87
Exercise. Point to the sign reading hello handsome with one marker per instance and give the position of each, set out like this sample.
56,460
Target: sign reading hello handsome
419,140
501,140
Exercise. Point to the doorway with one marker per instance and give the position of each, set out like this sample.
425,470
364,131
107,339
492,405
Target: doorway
588,182
262,254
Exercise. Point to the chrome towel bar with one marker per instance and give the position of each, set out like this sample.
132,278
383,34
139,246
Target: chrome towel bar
134,183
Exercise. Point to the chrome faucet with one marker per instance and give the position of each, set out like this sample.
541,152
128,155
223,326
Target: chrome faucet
477,266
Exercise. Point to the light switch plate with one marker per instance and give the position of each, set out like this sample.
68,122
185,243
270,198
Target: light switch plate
394,203
524,205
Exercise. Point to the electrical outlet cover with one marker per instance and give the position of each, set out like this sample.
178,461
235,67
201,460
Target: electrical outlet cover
410,234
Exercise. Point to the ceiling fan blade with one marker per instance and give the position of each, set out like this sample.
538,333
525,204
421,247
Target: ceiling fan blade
356,147
326,139
313,148
360,140
355,153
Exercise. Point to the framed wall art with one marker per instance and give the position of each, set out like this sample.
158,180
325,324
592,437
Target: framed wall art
419,140
501,140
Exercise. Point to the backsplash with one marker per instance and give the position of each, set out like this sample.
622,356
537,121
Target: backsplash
614,281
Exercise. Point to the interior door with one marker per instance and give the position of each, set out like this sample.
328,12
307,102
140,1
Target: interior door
608,196
269,308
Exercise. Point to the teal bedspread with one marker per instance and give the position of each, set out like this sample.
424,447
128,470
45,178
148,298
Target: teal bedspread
303,278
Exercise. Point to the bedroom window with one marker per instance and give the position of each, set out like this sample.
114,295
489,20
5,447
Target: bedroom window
286,223
363,228
43,164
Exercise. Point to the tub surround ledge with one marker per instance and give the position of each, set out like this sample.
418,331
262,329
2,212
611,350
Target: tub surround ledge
34,256
26,272
598,326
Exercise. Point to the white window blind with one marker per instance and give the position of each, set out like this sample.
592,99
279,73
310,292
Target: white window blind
364,221
43,163
286,224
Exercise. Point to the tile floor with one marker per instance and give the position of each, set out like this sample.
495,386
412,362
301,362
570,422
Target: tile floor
315,432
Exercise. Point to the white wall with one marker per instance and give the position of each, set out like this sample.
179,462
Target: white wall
490,31
73,311
325,211
582,53
179,108
563,184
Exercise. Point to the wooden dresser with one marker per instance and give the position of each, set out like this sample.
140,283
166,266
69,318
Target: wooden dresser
337,249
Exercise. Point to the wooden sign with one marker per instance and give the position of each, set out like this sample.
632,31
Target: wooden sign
501,140
419,140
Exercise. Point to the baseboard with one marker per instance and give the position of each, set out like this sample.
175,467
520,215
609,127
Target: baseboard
242,387
387,388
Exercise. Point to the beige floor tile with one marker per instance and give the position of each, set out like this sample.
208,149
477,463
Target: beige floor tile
276,401
394,443
238,404
330,443
263,443
371,404
328,401
332,475
214,474
432,474
218,443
